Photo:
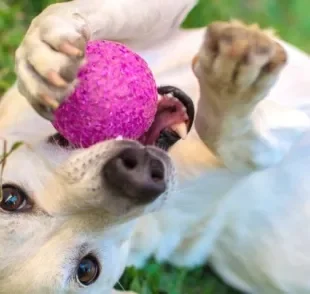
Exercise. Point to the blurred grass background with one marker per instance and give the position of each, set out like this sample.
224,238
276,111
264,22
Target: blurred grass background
288,17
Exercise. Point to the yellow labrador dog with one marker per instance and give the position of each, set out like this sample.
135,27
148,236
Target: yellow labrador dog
67,215
242,200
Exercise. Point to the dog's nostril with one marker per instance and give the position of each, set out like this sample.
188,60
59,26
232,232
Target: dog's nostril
157,170
129,160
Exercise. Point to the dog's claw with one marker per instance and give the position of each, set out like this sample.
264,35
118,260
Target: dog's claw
50,102
55,79
69,49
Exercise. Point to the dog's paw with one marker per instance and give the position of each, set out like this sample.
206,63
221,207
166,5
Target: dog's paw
236,67
238,63
48,59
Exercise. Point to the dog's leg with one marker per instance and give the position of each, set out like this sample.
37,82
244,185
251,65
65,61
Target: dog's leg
236,67
52,51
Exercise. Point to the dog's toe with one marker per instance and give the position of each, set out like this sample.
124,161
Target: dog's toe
239,61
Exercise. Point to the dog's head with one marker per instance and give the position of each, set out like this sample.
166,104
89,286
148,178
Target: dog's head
65,213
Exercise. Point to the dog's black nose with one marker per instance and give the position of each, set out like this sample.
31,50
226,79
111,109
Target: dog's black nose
136,174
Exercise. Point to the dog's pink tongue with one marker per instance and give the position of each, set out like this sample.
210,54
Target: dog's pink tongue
170,112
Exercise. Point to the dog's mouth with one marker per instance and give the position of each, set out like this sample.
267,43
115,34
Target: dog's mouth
173,121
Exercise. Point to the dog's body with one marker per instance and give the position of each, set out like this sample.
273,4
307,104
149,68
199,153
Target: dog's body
245,207
246,222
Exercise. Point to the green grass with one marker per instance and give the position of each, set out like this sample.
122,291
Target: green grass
288,17
164,279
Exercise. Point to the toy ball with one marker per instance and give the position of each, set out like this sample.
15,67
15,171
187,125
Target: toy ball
116,96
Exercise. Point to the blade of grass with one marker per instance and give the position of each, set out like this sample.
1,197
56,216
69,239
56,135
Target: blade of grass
3,159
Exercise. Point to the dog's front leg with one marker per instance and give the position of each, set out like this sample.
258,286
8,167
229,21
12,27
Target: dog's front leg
236,67
52,51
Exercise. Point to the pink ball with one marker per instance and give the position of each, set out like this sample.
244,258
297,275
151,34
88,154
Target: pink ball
116,96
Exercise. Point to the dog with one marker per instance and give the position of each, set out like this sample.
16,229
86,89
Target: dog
65,210
66,221
242,193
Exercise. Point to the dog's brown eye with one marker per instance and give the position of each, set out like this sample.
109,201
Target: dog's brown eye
88,270
13,198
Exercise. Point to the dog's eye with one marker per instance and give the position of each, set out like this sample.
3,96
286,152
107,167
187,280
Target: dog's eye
13,198
88,270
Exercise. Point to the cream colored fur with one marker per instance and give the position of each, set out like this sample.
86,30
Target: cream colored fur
74,213
242,202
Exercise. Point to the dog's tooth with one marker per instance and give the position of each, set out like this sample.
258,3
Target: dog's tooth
184,109
160,97
180,129
170,95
